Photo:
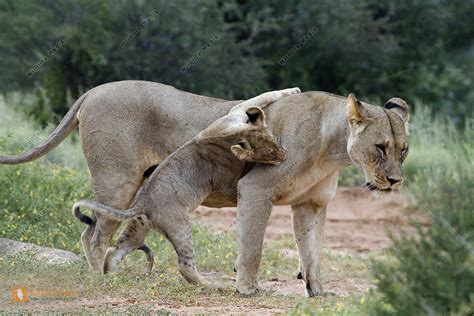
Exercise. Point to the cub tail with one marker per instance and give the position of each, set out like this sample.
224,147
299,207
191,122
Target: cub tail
101,209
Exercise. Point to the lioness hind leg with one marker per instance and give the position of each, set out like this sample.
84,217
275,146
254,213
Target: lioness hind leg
114,188
132,237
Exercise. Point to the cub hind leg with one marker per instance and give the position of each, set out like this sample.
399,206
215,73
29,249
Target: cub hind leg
178,230
131,237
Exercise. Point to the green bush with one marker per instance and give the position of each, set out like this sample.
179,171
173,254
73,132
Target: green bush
35,198
35,203
432,271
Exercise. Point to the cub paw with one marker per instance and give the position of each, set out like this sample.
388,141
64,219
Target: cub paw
287,92
211,285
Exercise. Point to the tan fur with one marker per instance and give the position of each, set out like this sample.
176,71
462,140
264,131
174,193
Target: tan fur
126,127
203,165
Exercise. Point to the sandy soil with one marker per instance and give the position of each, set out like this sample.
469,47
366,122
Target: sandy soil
356,220
357,223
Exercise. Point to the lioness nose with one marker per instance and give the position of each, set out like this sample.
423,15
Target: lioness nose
393,181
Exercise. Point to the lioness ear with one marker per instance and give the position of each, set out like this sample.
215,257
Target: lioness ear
355,113
242,150
400,107
256,115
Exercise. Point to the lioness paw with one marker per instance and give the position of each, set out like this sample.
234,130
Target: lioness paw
313,288
247,290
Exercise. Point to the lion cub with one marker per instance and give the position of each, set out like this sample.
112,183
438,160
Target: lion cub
208,163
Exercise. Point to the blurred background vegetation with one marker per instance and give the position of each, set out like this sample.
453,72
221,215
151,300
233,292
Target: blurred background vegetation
422,51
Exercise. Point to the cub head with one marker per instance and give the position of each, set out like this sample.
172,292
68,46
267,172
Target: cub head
256,142
248,135
378,141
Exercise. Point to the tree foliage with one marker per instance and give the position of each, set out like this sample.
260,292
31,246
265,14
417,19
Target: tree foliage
419,50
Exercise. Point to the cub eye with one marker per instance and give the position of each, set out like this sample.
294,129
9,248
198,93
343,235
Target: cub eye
381,148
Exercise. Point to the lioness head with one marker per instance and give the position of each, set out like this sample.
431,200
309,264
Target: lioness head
377,142
248,135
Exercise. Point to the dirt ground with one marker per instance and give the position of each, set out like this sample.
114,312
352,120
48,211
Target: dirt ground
357,222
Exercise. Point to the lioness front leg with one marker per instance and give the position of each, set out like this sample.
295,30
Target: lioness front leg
308,227
253,212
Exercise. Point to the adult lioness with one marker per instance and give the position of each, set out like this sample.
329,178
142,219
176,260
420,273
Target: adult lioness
128,127
183,180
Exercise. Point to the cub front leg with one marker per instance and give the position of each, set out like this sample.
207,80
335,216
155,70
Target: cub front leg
132,237
265,99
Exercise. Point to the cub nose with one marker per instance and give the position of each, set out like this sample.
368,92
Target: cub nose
393,181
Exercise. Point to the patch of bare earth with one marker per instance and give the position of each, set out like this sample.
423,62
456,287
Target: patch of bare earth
357,222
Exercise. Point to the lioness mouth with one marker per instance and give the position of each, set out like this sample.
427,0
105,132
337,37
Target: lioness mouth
373,187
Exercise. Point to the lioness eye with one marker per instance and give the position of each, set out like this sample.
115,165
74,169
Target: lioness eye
381,148
404,151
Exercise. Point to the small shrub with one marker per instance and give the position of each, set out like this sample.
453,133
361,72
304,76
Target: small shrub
432,272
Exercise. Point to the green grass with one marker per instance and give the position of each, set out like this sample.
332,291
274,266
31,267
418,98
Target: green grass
36,198
164,285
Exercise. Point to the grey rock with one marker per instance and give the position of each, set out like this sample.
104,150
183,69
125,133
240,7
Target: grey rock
50,255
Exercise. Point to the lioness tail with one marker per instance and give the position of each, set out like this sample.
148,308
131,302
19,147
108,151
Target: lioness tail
67,125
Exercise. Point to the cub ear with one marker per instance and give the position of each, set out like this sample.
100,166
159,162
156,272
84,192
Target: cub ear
400,107
242,150
255,116
355,113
